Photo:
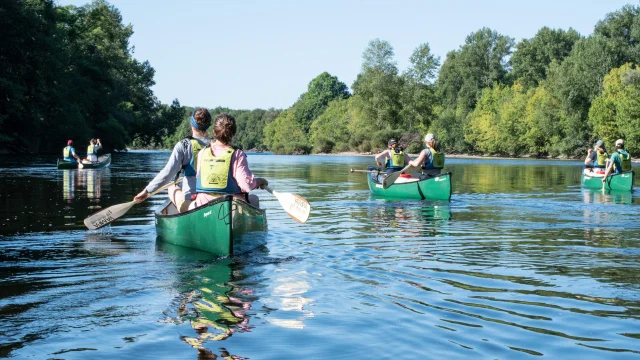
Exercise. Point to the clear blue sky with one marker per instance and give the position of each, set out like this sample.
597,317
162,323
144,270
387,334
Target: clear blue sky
261,54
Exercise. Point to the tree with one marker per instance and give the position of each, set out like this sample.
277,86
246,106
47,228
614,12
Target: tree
621,29
616,112
533,56
321,90
379,55
418,96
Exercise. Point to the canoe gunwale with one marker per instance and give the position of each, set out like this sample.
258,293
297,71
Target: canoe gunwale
158,211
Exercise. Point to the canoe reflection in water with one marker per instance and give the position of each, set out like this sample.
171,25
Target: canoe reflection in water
423,220
209,301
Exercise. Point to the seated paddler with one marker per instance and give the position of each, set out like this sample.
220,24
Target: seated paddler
597,157
620,161
92,149
395,159
223,169
431,159
69,153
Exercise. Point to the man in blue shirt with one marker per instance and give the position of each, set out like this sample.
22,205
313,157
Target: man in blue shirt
69,153
620,161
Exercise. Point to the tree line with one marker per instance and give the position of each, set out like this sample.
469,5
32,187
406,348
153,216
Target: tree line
551,95
68,72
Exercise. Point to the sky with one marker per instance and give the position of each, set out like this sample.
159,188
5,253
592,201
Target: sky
263,54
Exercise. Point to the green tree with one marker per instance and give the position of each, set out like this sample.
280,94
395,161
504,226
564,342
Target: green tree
533,56
285,135
616,112
330,131
321,90
418,97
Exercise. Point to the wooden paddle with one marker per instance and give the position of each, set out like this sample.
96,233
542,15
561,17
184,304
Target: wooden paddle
389,180
295,205
112,213
365,171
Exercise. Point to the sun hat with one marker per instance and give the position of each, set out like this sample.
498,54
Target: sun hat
429,137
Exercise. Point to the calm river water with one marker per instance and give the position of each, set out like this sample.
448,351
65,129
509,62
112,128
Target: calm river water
521,263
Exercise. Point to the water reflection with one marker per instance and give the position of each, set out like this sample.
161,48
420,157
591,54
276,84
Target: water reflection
592,196
209,301
410,219
92,181
69,180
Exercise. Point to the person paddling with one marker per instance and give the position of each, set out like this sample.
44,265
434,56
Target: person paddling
431,160
597,157
69,153
223,169
620,161
394,157
183,157
92,150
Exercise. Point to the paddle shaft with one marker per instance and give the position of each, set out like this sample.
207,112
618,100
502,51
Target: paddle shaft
365,171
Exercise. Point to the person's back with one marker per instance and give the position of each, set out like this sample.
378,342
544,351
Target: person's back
183,157
92,150
620,161
434,159
69,153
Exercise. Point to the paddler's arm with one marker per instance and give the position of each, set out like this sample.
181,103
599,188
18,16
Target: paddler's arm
419,160
606,173
380,156
167,174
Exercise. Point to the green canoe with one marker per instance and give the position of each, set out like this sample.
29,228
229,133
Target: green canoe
435,188
220,227
103,162
616,182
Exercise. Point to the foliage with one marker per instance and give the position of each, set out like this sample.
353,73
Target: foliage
616,112
533,56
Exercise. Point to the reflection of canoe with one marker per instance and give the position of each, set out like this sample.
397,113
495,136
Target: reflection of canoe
218,227
620,182
103,162
434,188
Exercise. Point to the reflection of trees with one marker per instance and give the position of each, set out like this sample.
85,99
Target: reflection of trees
93,181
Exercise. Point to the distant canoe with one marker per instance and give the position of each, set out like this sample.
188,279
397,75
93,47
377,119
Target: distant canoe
616,182
219,227
434,188
103,162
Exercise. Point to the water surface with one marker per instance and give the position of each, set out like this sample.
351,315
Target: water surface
521,263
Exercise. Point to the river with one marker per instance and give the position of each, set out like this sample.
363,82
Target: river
521,263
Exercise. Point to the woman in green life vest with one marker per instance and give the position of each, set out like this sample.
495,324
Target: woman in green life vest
620,161
431,159
92,149
394,157
597,157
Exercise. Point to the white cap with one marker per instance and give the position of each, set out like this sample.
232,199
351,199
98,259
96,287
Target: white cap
619,142
429,137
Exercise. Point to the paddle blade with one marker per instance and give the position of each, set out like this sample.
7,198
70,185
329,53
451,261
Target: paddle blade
107,216
389,180
295,205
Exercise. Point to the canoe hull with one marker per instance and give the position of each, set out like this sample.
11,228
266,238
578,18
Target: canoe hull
616,182
220,227
435,188
103,162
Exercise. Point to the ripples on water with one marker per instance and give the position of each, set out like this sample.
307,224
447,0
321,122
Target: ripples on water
521,263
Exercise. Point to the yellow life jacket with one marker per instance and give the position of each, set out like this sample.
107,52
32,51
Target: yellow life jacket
66,152
602,159
91,150
215,175
625,160
437,159
190,168
397,158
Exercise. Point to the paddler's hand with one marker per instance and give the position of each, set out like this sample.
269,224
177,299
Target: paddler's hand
604,179
142,196
261,183
589,151
379,163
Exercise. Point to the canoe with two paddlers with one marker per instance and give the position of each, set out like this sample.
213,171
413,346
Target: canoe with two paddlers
103,162
221,226
408,186
592,179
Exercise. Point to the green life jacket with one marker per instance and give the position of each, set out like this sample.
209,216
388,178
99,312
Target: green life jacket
602,159
190,168
437,159
91,150
67,153
397,158
625,160
215,175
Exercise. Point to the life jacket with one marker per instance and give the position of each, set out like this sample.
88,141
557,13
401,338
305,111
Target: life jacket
602,159
92,150
437,160
215,175
190,168
67,153
625,160
397,159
